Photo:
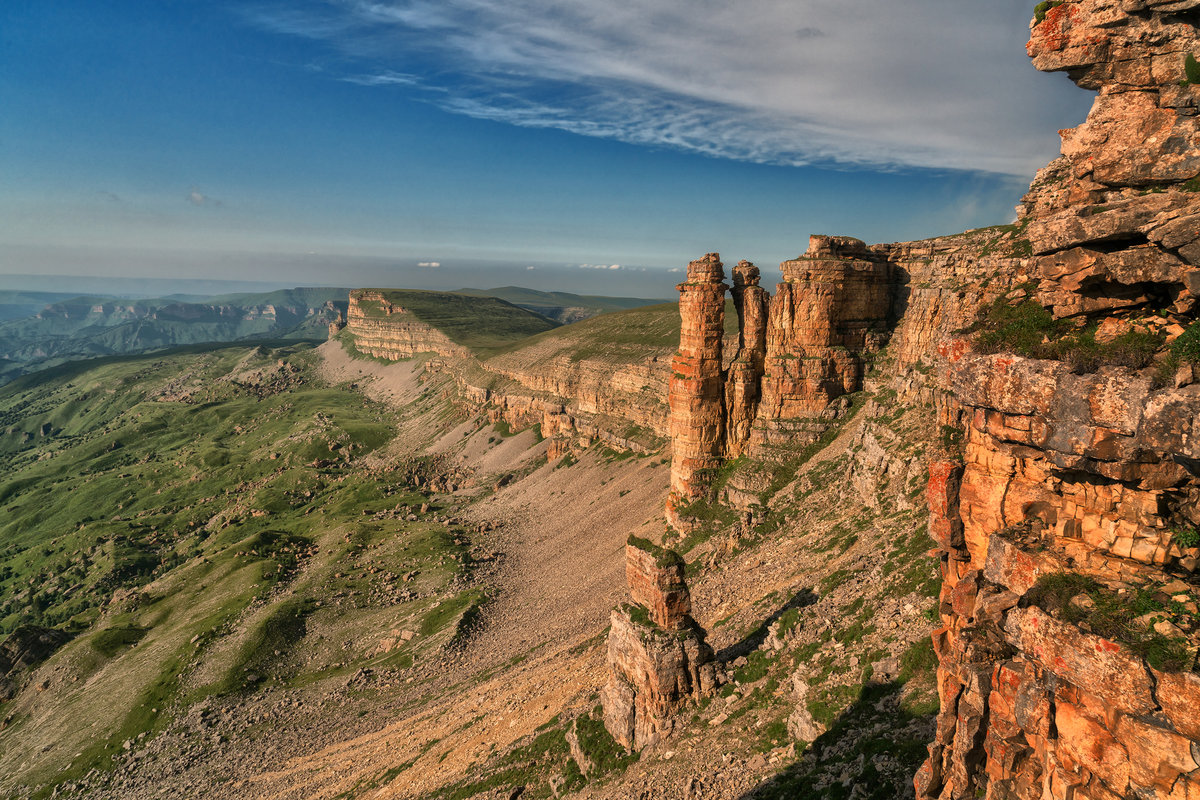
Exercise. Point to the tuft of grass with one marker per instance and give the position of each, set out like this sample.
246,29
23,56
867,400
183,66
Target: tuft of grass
1186,346
1029,330
599,745
664,558
1112,616
1022,329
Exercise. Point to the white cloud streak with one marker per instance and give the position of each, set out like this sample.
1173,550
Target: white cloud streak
198,198
873,83
429,264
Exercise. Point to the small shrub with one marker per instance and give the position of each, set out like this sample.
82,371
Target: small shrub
1186,538
1134,348
1187,346
1040,10
1191,69
951,440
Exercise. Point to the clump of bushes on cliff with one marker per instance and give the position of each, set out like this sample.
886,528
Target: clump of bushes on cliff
1027,329
1134,349
1040,10
1184,350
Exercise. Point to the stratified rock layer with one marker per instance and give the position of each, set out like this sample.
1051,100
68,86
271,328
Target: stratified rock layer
697,395
834,304
385,330
657,656
1080,473
744,376
656,582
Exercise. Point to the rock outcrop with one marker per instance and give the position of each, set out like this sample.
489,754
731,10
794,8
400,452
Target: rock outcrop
385,330
697,393
22,651
743,382
657,656
833,306
1074,502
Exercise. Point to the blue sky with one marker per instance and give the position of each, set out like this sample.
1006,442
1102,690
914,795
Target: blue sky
460,142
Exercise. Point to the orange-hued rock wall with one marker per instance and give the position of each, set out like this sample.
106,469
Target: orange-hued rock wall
696,396
833,306
743,383
1082,473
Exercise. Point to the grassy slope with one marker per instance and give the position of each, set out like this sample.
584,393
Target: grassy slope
549,303
479,323
628,336
187,542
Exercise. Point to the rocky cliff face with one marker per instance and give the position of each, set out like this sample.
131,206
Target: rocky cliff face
385,330
743,390
1067,527
1064,503
832,308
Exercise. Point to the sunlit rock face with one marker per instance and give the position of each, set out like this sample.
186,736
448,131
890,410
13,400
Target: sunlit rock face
833,305
697,389
657,657
1085,475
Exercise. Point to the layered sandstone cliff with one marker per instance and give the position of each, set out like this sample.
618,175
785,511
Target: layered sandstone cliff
1068,640
385,330
832,308
697,394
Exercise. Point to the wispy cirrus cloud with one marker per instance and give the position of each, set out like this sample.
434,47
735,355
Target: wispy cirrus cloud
386,78
874,83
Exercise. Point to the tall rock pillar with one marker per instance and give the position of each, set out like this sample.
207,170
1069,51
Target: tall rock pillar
742,384
697,396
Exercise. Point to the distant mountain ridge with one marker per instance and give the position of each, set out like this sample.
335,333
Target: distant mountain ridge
68,327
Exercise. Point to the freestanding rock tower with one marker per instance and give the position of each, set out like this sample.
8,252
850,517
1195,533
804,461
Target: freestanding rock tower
657,656
697,395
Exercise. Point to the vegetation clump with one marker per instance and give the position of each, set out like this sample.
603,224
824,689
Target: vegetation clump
1191,71
1125,618
1041,9
1027,329
663,558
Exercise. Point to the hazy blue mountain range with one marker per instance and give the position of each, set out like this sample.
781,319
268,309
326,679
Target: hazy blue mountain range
55,328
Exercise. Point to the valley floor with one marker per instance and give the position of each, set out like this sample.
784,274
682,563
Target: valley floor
830,602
